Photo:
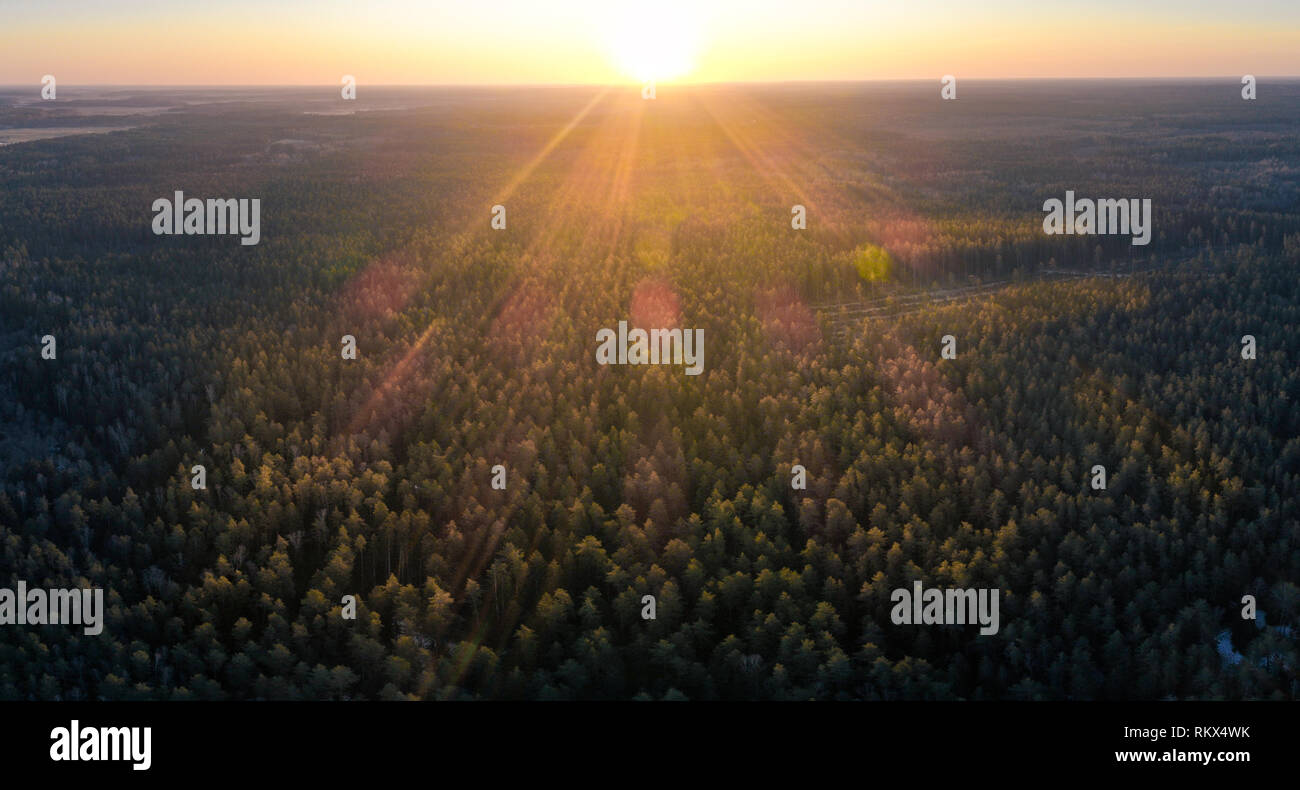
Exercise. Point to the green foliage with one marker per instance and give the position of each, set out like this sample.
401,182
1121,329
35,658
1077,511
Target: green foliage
370,477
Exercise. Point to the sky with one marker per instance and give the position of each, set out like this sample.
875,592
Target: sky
435,42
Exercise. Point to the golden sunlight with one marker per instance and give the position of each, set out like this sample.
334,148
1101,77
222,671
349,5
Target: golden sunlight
654,44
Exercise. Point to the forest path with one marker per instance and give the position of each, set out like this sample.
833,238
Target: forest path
844,316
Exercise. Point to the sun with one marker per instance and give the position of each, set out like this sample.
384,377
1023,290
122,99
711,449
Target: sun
653,42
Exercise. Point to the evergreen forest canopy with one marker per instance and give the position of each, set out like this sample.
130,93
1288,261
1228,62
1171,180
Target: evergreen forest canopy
329,477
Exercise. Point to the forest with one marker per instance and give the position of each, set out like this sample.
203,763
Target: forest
372,477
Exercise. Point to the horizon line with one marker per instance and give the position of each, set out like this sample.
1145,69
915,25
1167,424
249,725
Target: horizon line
629,84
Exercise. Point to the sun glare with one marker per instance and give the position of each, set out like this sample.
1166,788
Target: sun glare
656,43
